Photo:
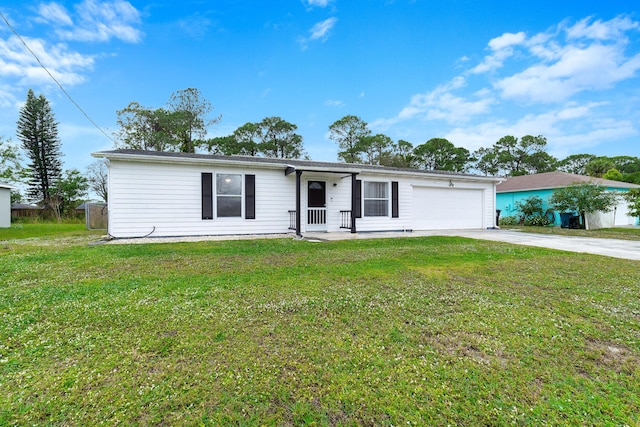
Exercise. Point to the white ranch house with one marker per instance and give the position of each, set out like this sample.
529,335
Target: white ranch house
161,194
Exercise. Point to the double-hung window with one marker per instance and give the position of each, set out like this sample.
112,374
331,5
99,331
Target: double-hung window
228,195
376,198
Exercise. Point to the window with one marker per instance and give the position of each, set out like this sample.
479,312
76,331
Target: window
228,195
376,198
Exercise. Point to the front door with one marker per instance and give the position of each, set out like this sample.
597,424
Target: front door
316,206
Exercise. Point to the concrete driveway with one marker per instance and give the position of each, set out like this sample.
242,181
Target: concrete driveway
625,249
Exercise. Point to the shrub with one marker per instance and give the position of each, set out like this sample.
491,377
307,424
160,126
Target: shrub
537,220
509,220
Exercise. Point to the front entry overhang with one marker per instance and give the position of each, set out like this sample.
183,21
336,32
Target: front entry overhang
291,169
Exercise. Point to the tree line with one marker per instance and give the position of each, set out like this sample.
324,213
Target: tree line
181,126
165,129
56,190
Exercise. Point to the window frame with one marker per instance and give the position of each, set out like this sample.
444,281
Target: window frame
386,199
239,196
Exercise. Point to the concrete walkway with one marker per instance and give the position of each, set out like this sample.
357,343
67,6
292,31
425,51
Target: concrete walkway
625,249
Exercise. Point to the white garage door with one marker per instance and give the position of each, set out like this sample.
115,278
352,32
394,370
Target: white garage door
446,208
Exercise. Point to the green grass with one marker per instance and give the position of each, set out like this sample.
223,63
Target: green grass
40,230
624,233
412,331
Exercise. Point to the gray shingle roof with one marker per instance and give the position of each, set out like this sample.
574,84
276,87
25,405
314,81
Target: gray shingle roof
550,180
298,164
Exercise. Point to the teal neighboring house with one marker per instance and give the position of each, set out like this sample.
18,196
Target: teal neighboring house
519,188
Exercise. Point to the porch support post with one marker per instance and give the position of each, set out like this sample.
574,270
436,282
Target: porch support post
353,203
298,210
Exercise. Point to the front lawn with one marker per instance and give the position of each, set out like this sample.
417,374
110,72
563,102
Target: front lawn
411,331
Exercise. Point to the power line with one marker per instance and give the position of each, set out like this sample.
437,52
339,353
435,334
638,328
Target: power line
54,79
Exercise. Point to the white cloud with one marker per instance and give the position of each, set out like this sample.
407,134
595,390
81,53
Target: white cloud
506,40
502,48
579,69
195,26
19,64
54,13
317,3
442,104
320,31
598,30
333,103
94,21
604,132
571,128
7,98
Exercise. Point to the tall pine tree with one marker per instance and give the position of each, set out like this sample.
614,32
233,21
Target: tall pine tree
38,132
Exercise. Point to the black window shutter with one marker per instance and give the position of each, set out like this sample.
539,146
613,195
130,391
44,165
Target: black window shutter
250,196
357,197
207,195
395,211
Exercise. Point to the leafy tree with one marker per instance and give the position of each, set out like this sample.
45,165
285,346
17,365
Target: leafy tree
279,139
145,129
38,131
517,157
225,145
248,138
599,166
98,179
485,160
68,192
633,178
376,148
10,162
440,154
401,156
626,164
181,126
541,162
189,110
575,163
632,197
583,198
613,174
348,133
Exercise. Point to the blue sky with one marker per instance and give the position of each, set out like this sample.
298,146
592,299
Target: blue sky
468,71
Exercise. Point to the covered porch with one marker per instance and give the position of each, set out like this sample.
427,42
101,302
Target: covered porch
315,205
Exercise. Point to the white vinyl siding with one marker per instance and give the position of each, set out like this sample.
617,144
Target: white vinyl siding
166,200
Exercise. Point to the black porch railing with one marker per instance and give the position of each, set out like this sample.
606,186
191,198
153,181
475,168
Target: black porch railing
292,220
345,219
